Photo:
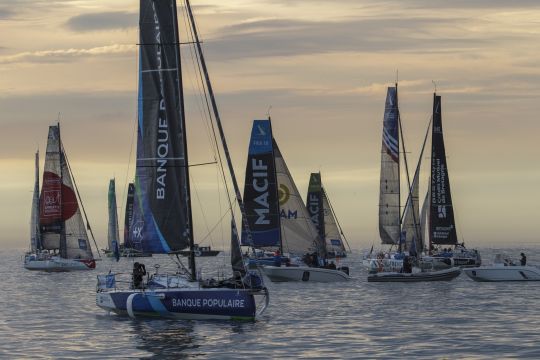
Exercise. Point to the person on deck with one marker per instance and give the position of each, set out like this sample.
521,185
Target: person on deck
139,271
523,259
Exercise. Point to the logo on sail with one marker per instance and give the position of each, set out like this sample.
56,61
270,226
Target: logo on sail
284,194
441,211
137,230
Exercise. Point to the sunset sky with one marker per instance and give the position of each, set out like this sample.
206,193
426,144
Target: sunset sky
322,66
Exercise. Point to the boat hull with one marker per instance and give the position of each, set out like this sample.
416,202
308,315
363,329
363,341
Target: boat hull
59,265
441,275
304,273
504,273
201,253
188,304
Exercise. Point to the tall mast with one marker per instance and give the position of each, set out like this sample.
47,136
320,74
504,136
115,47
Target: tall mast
63,244
219,125
186,163
405,162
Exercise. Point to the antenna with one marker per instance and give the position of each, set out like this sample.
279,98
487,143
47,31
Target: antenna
397,76
434,86
268,111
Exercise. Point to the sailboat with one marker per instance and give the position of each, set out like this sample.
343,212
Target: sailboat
390,192
325,220
59,238
440,211
113,233
162,221
277,216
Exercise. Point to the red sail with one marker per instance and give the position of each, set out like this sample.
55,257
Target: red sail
58,202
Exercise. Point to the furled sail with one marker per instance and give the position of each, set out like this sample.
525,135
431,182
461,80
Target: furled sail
299,235
113,234
128,218
260,189
161,211
442,227
35,241
237,261
389,210
424,217
61,223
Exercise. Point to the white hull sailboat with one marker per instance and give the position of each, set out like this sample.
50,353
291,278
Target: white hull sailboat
278,217
59,238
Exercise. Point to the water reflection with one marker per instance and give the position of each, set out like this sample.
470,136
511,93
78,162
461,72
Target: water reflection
165,339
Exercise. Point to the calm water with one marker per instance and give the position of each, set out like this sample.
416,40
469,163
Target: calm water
55,316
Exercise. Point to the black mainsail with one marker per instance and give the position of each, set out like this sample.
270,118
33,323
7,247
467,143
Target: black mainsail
442,227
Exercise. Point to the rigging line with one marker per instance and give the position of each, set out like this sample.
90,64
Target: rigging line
410,197
220,221
193,32
336,218
200,203
126,181
200,85
80,200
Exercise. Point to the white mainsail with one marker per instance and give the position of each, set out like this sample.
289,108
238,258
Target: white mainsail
298,233
389,196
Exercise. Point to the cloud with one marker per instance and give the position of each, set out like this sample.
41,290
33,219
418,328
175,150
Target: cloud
65,55
102,21
281,37
6,14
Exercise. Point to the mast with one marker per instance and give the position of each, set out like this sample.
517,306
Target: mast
184,135
219,125
35,241
63,241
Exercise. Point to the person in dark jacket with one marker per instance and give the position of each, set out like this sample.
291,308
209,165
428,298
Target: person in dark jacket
139,271
523,259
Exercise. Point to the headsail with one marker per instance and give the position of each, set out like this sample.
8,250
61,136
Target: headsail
424,217
442,227
162,211
113,234
35,241
260,189
332,233
237,261
389,204
299,235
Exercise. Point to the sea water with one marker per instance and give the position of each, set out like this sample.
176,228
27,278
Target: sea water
54,315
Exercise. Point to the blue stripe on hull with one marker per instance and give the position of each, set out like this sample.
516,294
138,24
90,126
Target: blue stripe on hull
199,303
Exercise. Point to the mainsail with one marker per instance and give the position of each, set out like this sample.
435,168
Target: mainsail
35,242
162,211
260,189
61,223
128,219
442,227
299,235
113,234
314,203
389,204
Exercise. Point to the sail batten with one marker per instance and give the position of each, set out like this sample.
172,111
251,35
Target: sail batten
389,196
442,227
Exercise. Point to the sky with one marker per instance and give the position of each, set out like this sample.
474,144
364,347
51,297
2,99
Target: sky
320,69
